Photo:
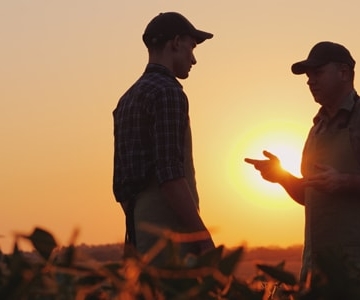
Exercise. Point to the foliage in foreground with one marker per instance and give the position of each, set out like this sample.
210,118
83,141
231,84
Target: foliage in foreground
65,274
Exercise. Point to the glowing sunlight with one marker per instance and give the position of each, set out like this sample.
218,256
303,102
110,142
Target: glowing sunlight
283,139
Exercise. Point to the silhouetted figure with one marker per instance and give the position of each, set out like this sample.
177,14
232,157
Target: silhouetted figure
330,186
154,177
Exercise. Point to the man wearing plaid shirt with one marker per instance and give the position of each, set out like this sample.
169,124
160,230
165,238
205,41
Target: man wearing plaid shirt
154,176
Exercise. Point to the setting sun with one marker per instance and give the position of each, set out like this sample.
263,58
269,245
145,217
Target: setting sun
283,139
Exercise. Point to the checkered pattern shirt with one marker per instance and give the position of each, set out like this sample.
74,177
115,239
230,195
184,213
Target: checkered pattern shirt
149,125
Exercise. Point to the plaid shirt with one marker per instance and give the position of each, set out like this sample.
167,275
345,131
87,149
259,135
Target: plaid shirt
149,125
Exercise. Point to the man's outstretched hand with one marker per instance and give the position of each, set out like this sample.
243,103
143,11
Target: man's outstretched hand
270,169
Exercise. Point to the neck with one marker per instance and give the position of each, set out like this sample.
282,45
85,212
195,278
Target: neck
333,105
161,58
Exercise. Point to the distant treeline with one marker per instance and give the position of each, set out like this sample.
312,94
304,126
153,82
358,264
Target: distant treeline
246,268
113,252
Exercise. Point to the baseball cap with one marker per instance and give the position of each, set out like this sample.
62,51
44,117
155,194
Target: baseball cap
166,26
321,54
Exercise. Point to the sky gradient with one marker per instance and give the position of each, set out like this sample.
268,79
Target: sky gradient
64,65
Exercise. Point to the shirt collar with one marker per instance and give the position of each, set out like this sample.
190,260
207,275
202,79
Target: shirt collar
157,68
161,69
345,106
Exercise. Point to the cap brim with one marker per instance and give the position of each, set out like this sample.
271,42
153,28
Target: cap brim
201,36
302,67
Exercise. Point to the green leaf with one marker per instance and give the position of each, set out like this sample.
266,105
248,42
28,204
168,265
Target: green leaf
278,274
210,258
229,262
43,242
281,265
68,257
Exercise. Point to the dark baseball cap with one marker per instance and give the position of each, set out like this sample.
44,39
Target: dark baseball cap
166,26
321,54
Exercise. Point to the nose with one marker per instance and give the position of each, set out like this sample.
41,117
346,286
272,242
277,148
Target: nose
310,80
193,59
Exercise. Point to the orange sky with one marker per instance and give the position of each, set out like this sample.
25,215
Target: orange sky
64,65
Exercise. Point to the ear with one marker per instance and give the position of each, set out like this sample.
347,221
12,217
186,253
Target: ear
346,73
175,42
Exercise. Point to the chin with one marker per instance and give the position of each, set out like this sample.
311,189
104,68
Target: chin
318,100
183,76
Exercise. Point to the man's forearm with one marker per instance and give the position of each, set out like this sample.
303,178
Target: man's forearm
293,186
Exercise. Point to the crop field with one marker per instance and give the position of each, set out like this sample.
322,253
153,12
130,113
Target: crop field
77,273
